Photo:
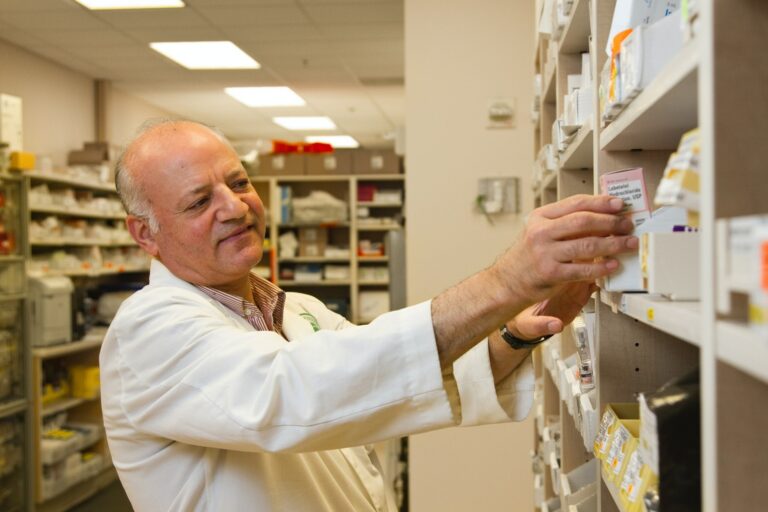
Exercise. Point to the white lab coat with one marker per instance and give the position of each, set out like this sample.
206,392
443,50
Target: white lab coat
204,413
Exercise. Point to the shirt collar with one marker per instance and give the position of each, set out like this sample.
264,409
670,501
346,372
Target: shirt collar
266,314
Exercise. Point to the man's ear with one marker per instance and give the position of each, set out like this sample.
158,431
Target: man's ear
138,227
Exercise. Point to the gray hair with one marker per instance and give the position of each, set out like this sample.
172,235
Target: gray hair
131,195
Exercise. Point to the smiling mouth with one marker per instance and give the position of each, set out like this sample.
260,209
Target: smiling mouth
237,233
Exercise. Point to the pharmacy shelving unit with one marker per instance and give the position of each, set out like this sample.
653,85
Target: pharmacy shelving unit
716,82
15,444
345,234
71,487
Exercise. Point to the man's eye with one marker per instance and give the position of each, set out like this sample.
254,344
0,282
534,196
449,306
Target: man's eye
198,204
240,184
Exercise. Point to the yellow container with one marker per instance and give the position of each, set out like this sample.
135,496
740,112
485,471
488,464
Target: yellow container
623,443
610,421
85,381
22,160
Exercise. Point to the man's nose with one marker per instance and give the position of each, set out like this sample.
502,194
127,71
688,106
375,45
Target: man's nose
231,205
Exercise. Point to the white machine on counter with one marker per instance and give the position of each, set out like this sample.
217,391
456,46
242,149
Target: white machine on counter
51,310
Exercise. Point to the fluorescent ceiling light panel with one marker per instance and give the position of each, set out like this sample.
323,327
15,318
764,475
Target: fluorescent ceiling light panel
305,123
206,55
266,96
337,141
97,5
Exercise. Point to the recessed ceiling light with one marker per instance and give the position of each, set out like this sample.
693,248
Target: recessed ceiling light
266,96
129,4
305,123
206,55
337,141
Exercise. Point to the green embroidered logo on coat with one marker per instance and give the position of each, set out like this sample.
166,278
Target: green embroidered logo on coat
312,321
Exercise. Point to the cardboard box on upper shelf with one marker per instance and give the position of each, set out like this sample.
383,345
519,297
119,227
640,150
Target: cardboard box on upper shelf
370,161
281,164
338,162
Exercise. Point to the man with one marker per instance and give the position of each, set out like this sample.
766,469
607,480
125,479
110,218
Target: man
221,392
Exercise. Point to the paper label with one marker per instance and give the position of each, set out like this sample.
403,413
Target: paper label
616,455
629,185
764,265
631,482
601,441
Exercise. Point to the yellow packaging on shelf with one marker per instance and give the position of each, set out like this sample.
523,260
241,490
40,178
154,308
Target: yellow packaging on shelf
22,160
52,393
609,422
85,381
637,478
623,443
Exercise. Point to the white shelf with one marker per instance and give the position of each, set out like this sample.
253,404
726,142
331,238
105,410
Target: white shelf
10,258
373,283
660,114
331,224
75,212
680,319
91,340
379,177
309,259
575,38
67,180
91,273
372,259
311,177
313,283
578,154
740,346
12,407
61,405
11,297
63,242
380,204
392,227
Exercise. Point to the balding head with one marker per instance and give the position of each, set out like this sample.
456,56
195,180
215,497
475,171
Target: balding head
128,170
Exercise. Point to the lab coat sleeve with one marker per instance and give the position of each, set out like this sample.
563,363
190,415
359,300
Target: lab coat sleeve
190,375
482,401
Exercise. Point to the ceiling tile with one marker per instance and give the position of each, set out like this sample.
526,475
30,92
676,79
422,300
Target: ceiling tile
162,34
101,37
273,33
40,21
378,12
148,18
204,3
21,38
37,5
254,15
346,31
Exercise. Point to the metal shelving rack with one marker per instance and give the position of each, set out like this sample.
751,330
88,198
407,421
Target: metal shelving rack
715,83
343,186
15,488
84,351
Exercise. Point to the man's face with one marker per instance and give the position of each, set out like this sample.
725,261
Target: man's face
211,219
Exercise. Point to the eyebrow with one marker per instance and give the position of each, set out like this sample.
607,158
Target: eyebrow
205,187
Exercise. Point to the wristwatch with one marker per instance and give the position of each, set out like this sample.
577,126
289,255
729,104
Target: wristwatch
516,343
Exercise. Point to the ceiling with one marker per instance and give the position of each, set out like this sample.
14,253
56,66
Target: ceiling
344,57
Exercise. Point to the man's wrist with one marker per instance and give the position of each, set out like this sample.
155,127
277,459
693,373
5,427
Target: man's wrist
517,342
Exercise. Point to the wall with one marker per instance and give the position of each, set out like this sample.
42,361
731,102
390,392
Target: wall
460,54
58,106
125,113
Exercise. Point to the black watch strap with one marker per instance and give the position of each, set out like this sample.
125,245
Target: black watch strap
516,343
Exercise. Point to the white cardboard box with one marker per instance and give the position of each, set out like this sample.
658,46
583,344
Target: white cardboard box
671,264
629,277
